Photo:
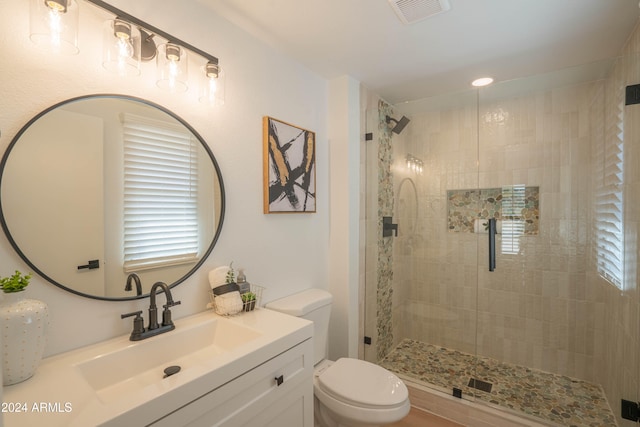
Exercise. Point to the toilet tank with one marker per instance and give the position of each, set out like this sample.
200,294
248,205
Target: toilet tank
314,305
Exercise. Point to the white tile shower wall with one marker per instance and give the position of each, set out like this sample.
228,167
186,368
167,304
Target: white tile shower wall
439,307
533,309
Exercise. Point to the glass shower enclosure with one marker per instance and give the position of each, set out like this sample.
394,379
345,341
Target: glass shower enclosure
511,281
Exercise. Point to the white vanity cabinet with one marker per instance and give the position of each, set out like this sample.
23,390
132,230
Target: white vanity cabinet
278,392
254,369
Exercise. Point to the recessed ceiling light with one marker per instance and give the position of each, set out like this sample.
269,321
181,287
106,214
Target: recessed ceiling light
482,81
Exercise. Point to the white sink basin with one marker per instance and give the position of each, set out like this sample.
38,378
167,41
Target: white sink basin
125,370
119,382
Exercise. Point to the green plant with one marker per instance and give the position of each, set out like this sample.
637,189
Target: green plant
248,296
15,283
231,275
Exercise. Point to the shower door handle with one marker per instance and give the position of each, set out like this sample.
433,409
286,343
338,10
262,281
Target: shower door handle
492,244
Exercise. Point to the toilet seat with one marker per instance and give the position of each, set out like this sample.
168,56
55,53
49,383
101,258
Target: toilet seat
362,384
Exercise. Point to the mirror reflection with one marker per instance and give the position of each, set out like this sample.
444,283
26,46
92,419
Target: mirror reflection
97,189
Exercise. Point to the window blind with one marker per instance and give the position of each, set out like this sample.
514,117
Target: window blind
160,194
609,209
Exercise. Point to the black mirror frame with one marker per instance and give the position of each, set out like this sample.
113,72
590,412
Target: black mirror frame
15,246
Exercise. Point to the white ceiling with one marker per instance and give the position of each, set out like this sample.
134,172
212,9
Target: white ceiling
506,39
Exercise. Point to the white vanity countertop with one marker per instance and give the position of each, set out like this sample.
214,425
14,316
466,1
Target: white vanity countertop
59,395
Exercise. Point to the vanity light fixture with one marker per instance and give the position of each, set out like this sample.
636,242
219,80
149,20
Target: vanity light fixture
121,47
212,85
172,67
127,41
482,81
53,25
171,53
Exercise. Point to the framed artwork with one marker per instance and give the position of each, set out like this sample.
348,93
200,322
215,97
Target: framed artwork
289,168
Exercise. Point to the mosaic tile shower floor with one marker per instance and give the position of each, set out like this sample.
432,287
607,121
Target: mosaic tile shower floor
557,399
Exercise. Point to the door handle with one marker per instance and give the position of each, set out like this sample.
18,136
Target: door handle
92,265
492,244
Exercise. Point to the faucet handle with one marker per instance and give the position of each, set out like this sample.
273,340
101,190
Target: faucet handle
166,313
138,324
134,313
171,304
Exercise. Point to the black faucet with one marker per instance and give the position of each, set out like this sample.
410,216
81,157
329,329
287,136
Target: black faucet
134,277
139,332
153,309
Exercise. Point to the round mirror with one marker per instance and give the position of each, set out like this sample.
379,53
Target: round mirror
102,191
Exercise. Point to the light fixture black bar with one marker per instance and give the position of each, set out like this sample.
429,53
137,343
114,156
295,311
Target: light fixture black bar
132,19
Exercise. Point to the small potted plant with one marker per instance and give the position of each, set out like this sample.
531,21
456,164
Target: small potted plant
248,301
15,283
231,274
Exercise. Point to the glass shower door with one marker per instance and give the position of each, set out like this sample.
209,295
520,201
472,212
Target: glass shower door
622,136
549,153
420,311
555,160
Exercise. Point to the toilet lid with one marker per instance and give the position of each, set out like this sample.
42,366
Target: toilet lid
362,383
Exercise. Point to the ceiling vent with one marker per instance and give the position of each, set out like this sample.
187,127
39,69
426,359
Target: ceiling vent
410,11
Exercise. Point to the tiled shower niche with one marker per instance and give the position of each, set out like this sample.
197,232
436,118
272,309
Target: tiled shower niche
517,205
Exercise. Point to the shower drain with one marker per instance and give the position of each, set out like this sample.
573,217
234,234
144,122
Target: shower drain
480,385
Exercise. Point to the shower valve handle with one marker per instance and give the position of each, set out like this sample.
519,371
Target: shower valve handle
388,227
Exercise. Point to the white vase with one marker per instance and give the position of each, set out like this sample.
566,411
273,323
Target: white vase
24,323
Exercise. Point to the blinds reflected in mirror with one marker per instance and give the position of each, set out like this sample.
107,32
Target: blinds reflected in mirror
160,194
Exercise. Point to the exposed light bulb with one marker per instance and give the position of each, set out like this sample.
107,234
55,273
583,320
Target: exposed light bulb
172,67
122,32
54,25
212,87
125,49
173,55
173,52
121,48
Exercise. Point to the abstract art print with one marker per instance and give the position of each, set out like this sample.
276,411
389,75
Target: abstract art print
289,168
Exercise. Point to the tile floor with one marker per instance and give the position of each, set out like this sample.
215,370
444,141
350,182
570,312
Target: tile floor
552,398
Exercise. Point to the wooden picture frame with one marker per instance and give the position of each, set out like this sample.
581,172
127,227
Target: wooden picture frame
289,168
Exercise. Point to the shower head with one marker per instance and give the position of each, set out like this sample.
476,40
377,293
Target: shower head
400,124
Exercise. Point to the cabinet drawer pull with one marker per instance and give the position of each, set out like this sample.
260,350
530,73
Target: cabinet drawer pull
279,380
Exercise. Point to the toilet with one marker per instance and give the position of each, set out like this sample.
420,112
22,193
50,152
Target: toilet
348,392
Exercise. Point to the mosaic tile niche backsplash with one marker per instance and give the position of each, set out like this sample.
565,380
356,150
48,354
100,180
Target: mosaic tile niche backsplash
512,203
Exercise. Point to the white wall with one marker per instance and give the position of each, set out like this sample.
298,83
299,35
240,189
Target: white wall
260,81
344,183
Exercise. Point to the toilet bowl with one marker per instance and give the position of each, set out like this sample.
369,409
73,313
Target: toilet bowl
352,392
348,392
